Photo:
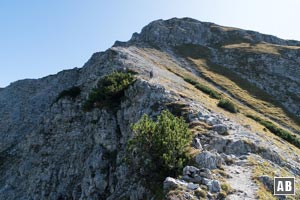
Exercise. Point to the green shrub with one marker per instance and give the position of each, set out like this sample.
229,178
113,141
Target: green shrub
72,92
189,80
286,135
227,188
228,105
109,90
159,149
199,193
207,90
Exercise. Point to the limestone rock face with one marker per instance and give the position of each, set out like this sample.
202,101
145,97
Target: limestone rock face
209,160
50,148
59,151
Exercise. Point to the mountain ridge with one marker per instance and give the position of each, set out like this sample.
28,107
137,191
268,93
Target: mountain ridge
160,26
51,149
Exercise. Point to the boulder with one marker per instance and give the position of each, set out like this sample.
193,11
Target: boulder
195,175
206,173
214,186
171,183
240,147
228,159
192,186
190,171
197,143
221,129
196,179
212,121
205,181
267,181
209,160
191,174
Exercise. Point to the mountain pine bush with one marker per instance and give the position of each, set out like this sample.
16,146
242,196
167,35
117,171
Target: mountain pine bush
228,105
109,90
159,148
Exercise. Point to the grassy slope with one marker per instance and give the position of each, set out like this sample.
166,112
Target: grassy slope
265,168
238,88
251,96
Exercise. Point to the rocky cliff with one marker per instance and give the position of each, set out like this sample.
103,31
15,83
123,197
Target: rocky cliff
51,148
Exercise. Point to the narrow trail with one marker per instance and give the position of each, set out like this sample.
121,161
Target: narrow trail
241,174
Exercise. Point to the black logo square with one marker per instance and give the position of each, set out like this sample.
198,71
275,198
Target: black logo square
284,186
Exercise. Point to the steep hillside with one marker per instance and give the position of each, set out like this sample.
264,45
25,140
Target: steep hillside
55,145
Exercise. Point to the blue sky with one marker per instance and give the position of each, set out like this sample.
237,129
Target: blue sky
38,38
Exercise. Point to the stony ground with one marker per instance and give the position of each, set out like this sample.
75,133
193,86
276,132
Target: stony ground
241,180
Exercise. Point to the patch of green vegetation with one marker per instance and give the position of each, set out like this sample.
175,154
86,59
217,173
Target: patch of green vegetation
227,188
159,149
222,195
284,134
109,91
207,90
190,80
72,92
200,194
228,105
297,196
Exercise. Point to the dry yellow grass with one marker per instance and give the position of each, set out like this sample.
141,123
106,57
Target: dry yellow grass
254,98
224,28
255,48
265,168
260,47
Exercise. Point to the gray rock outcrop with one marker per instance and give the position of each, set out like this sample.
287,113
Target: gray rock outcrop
220,129
209,160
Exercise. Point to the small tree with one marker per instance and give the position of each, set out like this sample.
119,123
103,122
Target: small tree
159,149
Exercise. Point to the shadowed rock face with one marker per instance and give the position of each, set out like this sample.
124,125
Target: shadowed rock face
54,150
